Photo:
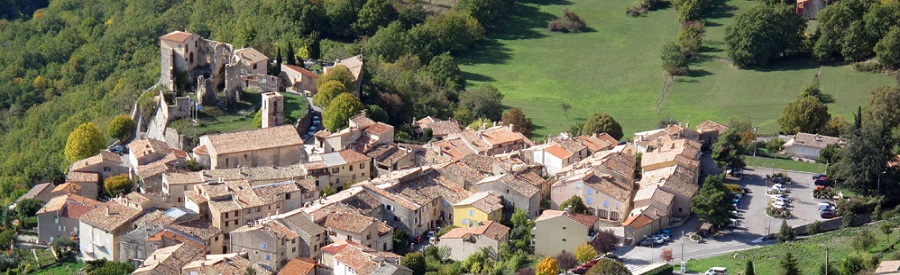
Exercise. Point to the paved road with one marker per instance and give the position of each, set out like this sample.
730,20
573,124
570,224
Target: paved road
752,224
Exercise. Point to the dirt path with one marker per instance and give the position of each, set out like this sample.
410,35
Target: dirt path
667,88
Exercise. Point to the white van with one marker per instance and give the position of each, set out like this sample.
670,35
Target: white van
717,271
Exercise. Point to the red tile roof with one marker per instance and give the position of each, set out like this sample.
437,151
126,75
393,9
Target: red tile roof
176,36
638,221
558,151
300,70
491,229
586,220
298,266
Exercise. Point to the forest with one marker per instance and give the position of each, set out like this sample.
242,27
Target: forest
68,62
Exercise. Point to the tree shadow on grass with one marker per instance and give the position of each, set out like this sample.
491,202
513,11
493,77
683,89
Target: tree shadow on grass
719,9
789,64
489,51
698,73
468,76
523,22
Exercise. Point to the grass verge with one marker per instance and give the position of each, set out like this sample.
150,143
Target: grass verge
784,164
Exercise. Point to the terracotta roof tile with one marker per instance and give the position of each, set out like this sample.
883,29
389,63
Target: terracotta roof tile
251,55
712,126
176,36
814,141
110,216
298,266
300,70
72,206
169,260
558,151
352,156
487,202
348,221
103,156
638,221
272,137
491,229
586,220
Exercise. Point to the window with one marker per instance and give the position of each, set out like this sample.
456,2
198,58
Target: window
589,190
293,249
577,184
254,66
106,169
602,213
471,213
349,238
335,170
362,165
226,215
605,203
564,240
351,168
287,196
589,200
614,215
679,209
369,237
268,257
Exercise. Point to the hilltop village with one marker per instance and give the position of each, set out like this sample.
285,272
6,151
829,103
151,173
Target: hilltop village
286,199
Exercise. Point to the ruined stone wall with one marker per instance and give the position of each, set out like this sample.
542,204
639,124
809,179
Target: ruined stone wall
181,108
167,68
233,83
266,83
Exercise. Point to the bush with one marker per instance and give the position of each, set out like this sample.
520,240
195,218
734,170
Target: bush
570,22
674,60
690,40
118,185
666,255
848,220
662,270
814,228
856,206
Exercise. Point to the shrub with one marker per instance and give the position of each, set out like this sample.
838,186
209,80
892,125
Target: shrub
690,40
814,228
848,220
118,185
666,255
570,22
674,60
566,260
786,233
662,270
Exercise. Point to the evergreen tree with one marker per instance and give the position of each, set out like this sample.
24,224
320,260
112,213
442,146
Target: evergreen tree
713,202
789,265
749,269
291,58
786,233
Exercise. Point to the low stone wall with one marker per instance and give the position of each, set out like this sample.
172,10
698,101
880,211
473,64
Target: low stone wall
835,224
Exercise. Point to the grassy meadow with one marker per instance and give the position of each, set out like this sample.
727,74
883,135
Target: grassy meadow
615,67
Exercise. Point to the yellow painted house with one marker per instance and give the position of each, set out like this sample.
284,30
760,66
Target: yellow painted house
477,208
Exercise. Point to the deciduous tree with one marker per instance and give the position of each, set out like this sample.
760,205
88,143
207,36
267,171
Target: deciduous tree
608,267
888,49
338,73
674,61
585,253
340,110
514,116
84,141
118,185
883,104
566,260
807,115
863,240
575,205
547,266
328,92
121,127
374,14
446,73
763,34
484,102
603,123
416,262
604,242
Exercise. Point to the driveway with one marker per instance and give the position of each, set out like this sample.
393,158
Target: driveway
752,226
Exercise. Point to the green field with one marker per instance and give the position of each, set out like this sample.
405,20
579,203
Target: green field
784,164
615,67
809,252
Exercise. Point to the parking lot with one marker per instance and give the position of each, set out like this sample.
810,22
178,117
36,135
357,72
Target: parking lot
753,222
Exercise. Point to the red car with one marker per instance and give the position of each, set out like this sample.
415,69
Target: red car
828,215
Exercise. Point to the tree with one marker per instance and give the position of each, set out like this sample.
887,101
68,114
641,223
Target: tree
882,106
886,229
828,268
328,92
691,9
388,44
339,73
565,108
863,158
377,114
807,115
487,12
515,117
575,205
789,265
763,34
666,255
674,61
28,207
451,31
604,242
888,49
786,233
602,123
835,127
748,270
341,15
399,239
713,202
863,241
585,253
118,185
249,271
690,40
416,262
547,266
291,56
813,90
374,14
84,141
480,123
855,43
121,127
853,264
728,151
608,267
484,102
848,220
66,247
566,260
112,268
446,73
340,110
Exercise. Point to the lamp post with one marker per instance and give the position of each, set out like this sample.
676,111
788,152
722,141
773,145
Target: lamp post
651,247
826,258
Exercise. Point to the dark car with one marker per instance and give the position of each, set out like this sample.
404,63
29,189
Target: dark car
827,214
819,176
823,182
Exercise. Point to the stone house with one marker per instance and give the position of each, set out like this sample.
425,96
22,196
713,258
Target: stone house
466,241
555,156
299,79
354,227
42,192
146,151
557,231
517,192
100,228
391,157
180,52
654,201
160,229
273,146
477,208
439,128
254,61
361,134
175,183
168,260
106,164
641,225
336,169
607,197
597,142
649,140
809,146
488,141
272,242
149,176
676,152
230,205
301,266
59,217
677,180
710,131
235,263
86,184
349,258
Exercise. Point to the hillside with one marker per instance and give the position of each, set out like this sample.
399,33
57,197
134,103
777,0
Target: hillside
615,67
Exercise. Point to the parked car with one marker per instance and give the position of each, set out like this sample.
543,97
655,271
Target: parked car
780,197
826,207
828,215
779,188
646,242
823,182
778,205
819,176
717,271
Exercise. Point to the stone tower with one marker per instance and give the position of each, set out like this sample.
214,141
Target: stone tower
272,109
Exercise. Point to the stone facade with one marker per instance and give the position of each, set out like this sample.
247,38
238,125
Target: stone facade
272,109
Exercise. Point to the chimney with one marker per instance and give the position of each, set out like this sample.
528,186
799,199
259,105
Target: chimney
107,211
512,127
